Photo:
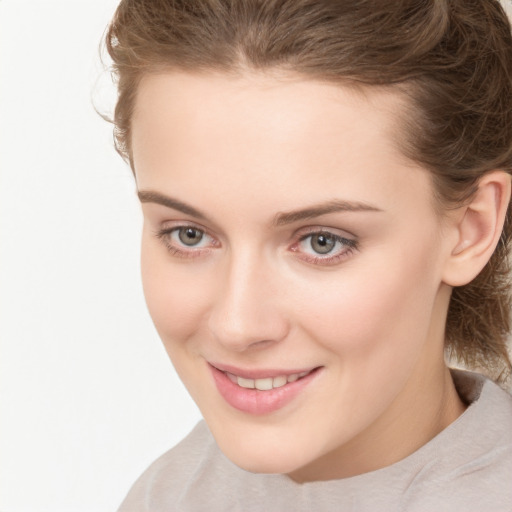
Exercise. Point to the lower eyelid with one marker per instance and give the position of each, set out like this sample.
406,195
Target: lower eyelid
349,246
186,253
165,235
329,260
182,252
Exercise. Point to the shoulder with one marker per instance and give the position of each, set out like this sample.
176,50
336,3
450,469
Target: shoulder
471,462
196,476
172,473
468,466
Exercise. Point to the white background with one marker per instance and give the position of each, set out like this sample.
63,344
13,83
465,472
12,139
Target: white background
87,396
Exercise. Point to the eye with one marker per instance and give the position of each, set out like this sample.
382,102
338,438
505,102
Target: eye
322,243
190,236
186,241
324,247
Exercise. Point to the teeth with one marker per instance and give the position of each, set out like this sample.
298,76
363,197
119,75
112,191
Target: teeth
279,381
231,377
245,383
267,383
263,384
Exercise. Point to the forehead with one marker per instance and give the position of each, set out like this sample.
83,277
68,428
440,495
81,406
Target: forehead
253,131
283,107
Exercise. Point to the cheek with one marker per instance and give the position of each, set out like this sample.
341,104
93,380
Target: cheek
372,310
176,298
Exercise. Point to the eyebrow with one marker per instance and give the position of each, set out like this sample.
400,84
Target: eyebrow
333,206
148,196
281,219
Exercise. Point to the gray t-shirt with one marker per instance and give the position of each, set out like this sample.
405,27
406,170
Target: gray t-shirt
465,468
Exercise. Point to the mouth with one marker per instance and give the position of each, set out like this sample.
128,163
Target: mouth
261,391
266,383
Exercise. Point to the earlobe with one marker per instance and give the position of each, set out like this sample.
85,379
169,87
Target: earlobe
478,228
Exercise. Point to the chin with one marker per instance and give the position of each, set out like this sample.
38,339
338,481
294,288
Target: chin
269,464
256,458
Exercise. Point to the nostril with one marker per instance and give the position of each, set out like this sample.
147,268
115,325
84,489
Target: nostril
255,331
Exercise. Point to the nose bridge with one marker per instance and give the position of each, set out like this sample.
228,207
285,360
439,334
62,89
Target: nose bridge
246,309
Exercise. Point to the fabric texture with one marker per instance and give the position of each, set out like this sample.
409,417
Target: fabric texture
467,467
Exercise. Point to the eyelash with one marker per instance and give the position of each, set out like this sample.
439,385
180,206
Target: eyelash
349,245
165,236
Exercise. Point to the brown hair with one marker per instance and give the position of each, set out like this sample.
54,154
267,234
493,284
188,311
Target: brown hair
452,60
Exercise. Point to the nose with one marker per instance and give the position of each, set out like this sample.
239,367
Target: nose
246,311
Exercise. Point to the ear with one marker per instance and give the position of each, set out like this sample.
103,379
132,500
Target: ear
478,228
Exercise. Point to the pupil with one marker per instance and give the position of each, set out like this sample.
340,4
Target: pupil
190,236
322,244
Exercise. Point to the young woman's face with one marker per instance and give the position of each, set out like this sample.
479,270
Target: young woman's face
292,263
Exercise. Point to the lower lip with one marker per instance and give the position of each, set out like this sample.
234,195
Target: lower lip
254,401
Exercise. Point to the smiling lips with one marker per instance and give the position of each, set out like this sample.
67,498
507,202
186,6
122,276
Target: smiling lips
266,383
263,393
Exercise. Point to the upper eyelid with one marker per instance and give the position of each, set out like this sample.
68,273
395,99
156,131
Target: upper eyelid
157,213
337,238
184,224
171,229
298,234
350,242
169,225
337,232
324,232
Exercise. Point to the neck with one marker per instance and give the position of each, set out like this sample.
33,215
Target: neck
428,405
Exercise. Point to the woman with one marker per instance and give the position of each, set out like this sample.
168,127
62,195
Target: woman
325,188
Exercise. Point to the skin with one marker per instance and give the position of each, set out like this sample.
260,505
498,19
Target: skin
254,294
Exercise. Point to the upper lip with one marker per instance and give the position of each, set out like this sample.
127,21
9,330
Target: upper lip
262,373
